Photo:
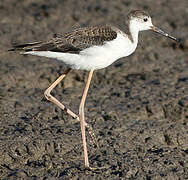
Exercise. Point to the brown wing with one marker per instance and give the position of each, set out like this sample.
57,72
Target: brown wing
74,41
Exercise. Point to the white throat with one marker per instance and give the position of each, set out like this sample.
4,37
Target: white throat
134,30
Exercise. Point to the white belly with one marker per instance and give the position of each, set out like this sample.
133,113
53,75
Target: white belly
95,57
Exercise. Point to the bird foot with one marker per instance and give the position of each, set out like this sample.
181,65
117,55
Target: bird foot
92,135
96,168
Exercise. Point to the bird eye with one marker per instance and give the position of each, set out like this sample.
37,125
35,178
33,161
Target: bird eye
145,19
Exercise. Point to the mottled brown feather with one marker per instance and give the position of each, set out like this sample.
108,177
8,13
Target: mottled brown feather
74,41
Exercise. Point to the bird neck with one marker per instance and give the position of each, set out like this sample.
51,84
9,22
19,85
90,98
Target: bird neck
132,31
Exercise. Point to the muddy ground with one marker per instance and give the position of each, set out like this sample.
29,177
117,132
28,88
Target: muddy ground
137,106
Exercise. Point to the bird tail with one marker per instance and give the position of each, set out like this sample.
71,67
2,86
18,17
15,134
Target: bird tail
25,47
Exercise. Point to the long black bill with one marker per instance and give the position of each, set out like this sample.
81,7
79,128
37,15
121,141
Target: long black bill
157,30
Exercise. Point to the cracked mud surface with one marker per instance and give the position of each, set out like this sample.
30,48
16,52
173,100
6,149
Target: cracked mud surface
137,106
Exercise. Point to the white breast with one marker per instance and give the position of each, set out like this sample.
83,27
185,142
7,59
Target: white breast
95,57
98,57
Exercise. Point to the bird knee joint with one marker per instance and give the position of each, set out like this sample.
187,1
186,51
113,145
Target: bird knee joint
47,95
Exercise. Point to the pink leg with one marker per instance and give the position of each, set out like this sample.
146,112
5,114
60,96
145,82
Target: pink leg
82,118
55,101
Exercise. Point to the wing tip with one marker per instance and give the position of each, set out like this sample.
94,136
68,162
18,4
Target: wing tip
23,47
